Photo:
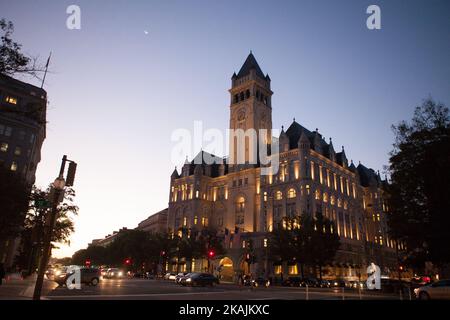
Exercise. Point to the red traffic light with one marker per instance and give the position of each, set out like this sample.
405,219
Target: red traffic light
128,261
87,262
211,253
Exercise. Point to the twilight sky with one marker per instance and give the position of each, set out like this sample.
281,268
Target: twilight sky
138,70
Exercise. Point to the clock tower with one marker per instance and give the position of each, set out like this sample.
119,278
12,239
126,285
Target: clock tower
250,108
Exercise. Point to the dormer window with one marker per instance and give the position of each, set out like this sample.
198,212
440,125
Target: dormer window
11,100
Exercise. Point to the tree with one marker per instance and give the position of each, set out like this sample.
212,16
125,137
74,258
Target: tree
420,185
13,204
209,240
319,242
312,242
12,60
35,220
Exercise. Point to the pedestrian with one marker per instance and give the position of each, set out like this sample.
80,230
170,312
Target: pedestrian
2,273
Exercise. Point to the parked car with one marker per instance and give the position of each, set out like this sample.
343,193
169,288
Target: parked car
170,276
324,284
311,282
89,276
260,282
200,279
439,290
114,273
293,282
179,276
338,283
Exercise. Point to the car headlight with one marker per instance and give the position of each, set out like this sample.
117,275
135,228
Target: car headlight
188,280
120,274
416,290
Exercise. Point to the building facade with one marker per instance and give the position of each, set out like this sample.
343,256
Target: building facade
244,205
23,109
156,223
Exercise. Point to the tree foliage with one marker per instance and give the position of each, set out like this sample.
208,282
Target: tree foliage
420,184
12,60
312,243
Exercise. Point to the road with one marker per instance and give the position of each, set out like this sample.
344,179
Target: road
140,289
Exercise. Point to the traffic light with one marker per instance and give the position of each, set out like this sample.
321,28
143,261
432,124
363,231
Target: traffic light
162,253
71,174
211,254
87,263
128,261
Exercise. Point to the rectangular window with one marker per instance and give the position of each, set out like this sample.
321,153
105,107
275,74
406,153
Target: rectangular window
22,135
11,100
195,220
14,166
4,147
17,151
277,269
321,174
8,132
312,170
2,129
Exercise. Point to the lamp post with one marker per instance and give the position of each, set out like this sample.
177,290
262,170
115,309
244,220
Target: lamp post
56,195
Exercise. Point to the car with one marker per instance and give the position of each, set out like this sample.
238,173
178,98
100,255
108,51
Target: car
114,273
260,282
170,276
338,283
324,284
179,276
439,290
293,282
90,276
200,279
310,282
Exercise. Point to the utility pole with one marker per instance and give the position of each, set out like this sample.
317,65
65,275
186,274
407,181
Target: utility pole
56,195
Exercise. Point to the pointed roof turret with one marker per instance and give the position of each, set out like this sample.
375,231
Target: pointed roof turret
249,64
175,174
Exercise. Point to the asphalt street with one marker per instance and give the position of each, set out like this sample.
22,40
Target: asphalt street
141,289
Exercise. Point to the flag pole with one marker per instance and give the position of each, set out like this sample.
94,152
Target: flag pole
46,68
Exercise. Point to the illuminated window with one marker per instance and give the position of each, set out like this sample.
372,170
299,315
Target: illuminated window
332,200
293,269
345,205
277,269
11,100
4,147
243,244
278,195
307,189
265,196
240,211
312,170
184,221
291,193
320,174
378,217
196,194
265,243
339,203
14,166
328,178
325,197
180,233
317,194
204,221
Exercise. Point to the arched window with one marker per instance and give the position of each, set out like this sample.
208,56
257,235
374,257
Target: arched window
240,210
325,197
278,195
291,193
177,218
332,200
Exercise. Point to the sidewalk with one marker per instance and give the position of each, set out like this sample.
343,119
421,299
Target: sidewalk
14,287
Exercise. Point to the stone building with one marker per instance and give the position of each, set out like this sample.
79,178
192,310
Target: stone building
244,205
156,223
22,133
